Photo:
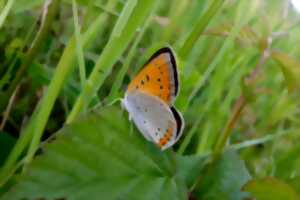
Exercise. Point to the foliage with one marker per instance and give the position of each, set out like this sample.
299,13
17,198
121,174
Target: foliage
239,70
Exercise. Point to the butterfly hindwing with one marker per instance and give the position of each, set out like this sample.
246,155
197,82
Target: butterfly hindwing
159,76
154,118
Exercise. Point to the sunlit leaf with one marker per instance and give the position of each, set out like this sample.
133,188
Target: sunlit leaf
97,156
288,164
295,183
190,167
223,178
270,188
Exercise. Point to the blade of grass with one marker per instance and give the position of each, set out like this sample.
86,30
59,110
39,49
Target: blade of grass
199,28
115,46
239,106
124,17
63,69
268,138
112,51
120,77
5,11
49,14
240,21
177,9
79,51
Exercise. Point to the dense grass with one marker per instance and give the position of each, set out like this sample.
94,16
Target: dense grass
239,68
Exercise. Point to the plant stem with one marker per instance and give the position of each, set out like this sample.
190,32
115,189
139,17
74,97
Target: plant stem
199,28
238,107
49,14
237,110
9,107
120,77
5,11
63,69
79,52
112,51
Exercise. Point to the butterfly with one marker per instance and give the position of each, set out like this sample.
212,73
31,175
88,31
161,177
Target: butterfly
149,100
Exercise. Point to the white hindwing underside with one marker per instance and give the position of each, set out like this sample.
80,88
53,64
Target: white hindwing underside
153,117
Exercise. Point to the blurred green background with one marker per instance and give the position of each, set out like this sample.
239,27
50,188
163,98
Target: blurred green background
239,66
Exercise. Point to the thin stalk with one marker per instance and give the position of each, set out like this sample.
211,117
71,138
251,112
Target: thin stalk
212,66
262,140
199,28
49,98
5,11
112,52
190,134
79,51
8,108
91,85
120,77
49,14
9,166
238,107
175,13
43,109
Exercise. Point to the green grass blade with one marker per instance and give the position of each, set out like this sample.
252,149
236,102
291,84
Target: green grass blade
79,51
199,28
5,11
111,53
37,124
120,77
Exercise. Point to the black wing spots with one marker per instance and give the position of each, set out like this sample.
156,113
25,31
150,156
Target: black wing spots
158,79
161,87
173,63
147,77
157,132
178,119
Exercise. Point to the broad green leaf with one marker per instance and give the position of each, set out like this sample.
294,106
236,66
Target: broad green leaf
295,183
223,178
98,157
6,144
288,164
24,5
270,188
290,68
190,167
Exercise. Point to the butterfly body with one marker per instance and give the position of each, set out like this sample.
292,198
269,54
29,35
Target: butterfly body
149,100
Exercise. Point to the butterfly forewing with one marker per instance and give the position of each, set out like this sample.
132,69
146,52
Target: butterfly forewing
159,76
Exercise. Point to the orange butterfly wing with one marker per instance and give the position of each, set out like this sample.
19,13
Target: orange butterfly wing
159,77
